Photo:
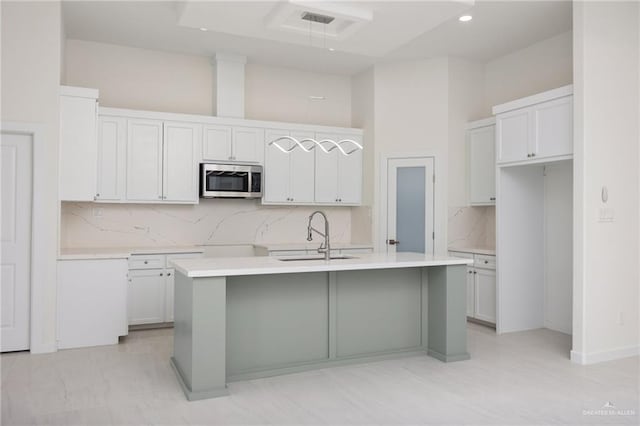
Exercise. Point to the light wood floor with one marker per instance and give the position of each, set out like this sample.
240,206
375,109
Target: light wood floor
514,379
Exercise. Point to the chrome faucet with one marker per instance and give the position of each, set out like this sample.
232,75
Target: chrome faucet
310,229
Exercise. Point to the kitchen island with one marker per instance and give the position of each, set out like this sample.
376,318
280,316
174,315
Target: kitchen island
250,317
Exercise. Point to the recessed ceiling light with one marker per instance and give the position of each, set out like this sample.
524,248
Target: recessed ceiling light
203,29
331,49
465,18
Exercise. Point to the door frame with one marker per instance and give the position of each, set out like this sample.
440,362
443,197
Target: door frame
382,206
42,274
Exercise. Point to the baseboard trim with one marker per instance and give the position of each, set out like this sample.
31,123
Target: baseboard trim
603,356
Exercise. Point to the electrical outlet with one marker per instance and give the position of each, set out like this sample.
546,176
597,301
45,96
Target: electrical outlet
97,211
606,214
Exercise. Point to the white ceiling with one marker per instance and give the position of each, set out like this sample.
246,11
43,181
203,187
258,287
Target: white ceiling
385,30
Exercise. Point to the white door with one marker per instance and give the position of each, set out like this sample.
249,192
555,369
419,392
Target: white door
217,143
410,190
485,294
553,124
302,172
146,296
15,265
350,174
111,158
513,134
248,144
482,165
180,162
326,179
276,168
144,160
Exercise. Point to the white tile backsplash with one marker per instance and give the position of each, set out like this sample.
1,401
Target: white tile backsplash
215,221
472,227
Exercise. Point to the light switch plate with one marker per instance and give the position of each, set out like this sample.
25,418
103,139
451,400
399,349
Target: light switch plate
606,214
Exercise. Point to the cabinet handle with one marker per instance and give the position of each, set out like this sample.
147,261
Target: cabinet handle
486,261
146,262
160,197
492,198
528,155
533,154
161,274
169,274
470,272
474,272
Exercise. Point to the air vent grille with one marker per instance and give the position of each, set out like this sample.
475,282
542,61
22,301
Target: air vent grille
316,17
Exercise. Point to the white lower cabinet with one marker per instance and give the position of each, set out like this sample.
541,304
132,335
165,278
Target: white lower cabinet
481,286
151,288
92,302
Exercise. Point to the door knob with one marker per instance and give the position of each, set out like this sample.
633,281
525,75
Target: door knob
393,242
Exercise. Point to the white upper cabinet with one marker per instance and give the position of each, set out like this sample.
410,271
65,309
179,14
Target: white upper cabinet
78,144
338,177
227,143
482,162
144,160
162,161
537,127
112,139
289,177
180,162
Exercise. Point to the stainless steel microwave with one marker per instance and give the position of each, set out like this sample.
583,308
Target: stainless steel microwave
230,180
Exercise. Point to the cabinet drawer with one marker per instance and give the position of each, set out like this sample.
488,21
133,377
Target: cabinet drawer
486,262
461,254
151,261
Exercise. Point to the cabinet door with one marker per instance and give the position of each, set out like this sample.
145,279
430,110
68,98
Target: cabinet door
485,295
302,172
326,178
180,170
471,298
482,165
217,143
78,148
169,294
147,292
553,124
276,168
144,160
92,300
111,158
350,173
248,144
513,134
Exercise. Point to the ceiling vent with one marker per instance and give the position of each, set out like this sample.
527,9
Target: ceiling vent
339,20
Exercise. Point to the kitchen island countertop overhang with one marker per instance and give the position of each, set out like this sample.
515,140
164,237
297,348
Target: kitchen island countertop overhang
250,317
262,265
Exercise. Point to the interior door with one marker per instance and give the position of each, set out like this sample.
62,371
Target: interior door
410,197
15,263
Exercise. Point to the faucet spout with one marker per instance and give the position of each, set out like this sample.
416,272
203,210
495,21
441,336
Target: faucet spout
310,230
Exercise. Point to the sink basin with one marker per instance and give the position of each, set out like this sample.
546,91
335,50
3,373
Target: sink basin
297,259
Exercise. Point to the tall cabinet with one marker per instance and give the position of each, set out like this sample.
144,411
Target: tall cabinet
481,160
534,213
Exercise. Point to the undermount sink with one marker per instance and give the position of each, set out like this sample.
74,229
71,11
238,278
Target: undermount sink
295,259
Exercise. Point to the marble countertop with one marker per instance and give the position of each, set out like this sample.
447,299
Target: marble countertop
475,250
263,265
121,252
310,246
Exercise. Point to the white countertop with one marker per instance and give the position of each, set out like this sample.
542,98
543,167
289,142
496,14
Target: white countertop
121,252
310,246
475,250
262,265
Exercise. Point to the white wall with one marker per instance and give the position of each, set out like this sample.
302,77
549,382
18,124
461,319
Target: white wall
606,145
558,246
134,78
282,94
411,119
31,46
542,66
